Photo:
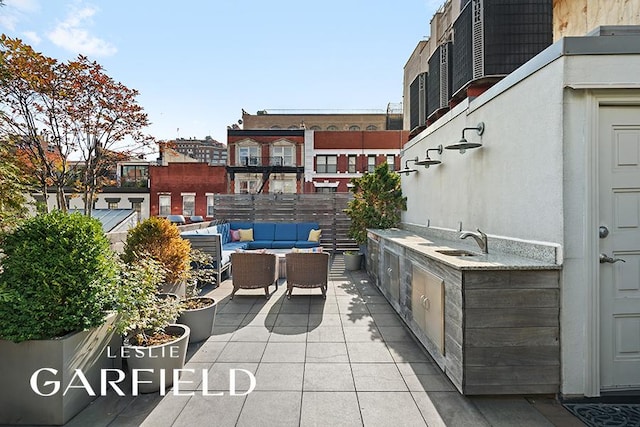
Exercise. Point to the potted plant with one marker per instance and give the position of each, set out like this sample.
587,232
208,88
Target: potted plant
352,260
58,283
154,346
161,240
198,312
377,203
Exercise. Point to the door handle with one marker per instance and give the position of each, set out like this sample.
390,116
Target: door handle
604,258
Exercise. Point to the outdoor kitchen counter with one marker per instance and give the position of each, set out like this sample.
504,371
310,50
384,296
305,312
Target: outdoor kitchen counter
494,260
489,321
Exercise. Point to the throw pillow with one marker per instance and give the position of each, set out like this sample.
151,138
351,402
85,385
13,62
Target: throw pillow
235,235
246,235
314,235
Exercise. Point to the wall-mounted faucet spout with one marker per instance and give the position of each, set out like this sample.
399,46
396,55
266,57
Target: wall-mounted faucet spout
480,238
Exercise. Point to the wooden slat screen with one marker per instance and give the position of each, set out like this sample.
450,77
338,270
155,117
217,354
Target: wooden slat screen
327,209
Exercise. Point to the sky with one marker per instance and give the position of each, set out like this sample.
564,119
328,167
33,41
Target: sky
198,63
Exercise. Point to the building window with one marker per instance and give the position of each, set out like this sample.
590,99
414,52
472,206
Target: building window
283,155
351,167
248,186
134,176
112,205
332,127
325,189
326,164
164,205
371,163
391,161
209,204
249,156
278,186
372,127
188,204
354,127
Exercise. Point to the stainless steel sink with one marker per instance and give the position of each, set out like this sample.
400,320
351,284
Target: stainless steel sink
456,252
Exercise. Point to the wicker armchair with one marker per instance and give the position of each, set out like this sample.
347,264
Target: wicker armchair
307,270
254,270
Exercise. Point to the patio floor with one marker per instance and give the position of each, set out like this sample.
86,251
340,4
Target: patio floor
344,361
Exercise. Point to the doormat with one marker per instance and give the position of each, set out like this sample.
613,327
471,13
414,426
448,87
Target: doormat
606,414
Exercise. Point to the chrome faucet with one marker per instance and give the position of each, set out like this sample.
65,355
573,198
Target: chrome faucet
480,238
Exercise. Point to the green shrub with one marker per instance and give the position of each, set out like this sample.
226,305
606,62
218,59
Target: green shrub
143,312
161,240
59,276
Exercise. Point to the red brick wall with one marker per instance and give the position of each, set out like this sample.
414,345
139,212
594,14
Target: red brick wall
367,140
177,178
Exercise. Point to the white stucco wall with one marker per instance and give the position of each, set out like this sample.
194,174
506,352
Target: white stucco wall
509,187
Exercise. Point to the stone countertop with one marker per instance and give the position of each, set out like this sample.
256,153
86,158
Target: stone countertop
491,261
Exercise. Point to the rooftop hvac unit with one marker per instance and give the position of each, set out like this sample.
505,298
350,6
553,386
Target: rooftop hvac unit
418,101
439,80
494,37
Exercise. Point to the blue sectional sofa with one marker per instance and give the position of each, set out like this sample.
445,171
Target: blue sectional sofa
216,239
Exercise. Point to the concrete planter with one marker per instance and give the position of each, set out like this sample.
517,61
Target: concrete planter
160,359
199,320
352,262
179,289
89,351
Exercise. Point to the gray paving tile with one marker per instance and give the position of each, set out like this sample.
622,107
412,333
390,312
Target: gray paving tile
296,305
395,333
279,376
509,411
324,319
220,374
234,307
448,408
387,319
251,333
242,352
222,332
329,308
326,352
288,319
259,319
325,334
229,319
271,408
210,410
405,351
381,408
418,368
377,377
371,352
209,351
328,377
191,380
368,334
357,320
284,352
104,410
335,409
288,334
164,413
434,382
380,308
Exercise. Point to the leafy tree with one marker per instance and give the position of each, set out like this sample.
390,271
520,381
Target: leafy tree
74,110
377,202
12,189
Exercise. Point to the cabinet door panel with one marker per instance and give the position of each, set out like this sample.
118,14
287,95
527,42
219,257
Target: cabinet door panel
428,298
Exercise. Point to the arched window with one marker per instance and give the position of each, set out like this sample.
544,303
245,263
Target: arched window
354,127
332,127
315,128
372,127
275,127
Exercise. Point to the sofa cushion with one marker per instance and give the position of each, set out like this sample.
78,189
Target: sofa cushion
260,244
306,244
307,250
286,231
239,225
283,244
223,229
235,235
304,228
264,231
232,246
246,235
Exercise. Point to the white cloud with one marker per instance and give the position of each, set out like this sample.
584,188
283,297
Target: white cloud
73,34
14,11
32,37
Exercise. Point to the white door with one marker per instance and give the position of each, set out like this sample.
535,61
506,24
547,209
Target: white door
619,201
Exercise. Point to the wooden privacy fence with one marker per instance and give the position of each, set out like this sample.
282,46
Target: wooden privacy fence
327,209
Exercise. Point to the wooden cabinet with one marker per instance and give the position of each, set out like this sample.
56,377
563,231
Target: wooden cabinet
391,268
